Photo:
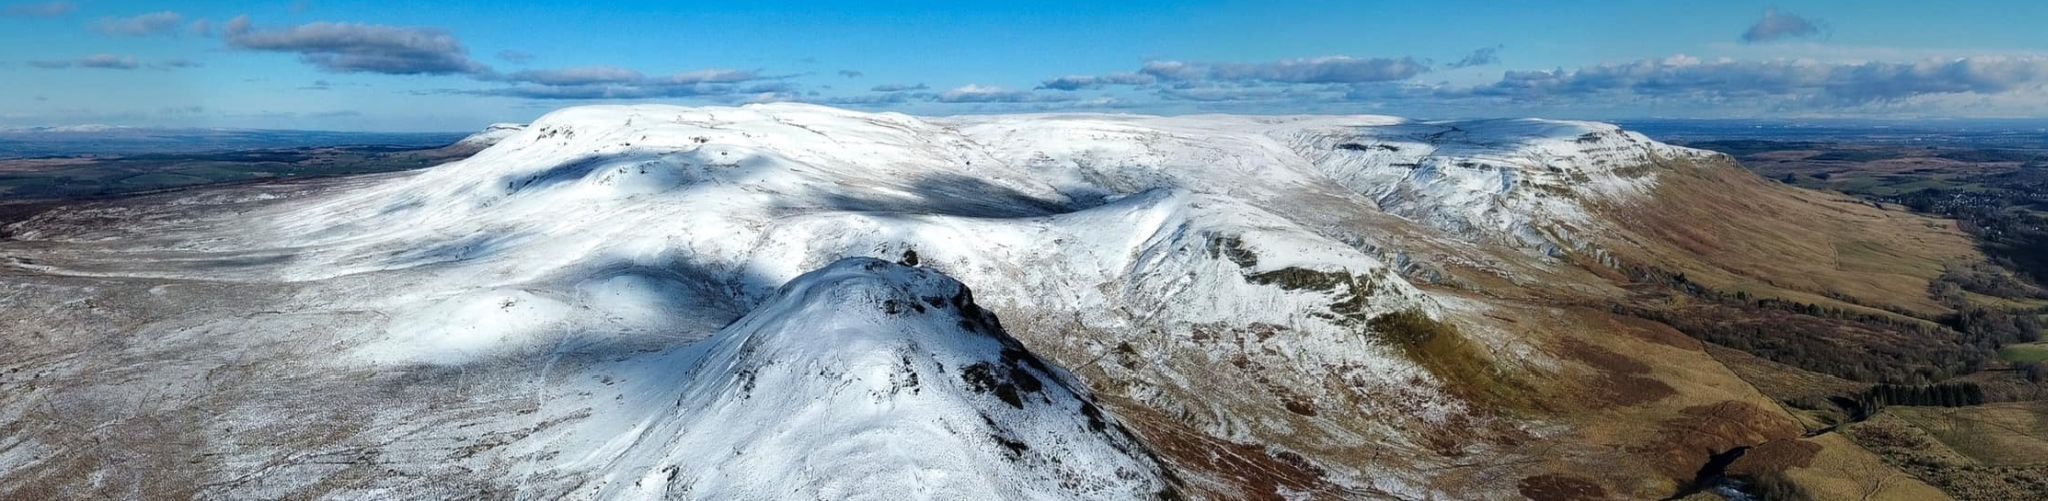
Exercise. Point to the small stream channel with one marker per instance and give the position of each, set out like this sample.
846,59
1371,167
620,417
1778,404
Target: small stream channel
1714,477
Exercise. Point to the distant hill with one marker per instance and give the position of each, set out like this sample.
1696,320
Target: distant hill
102,140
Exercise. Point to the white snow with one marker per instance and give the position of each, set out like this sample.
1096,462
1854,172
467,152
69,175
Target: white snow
861,380
653,227
490,135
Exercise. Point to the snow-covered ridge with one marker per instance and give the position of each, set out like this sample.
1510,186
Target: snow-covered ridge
1523,181
1534,180
864,379
490,135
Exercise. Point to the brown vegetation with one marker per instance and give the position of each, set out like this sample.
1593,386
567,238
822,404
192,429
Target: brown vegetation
1231,470
1730,230
1700,432
1462,368
1560,487
1956,464
1851,344
1620,380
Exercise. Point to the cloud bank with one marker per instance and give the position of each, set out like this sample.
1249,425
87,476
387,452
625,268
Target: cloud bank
44,10
104,62
515,57
1780,25
1328,83
1818,83
1479,57
973,93
361,48
606,82
151,24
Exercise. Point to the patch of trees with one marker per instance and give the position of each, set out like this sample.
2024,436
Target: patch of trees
1879,352
2036,372
1981,278
1863,405
1988,328
1962,394
1850,344
1980,155
1677,281
1878,397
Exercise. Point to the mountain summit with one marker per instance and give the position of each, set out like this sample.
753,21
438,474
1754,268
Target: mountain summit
868,379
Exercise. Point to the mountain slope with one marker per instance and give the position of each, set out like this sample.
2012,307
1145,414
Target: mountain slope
1276,306
861,380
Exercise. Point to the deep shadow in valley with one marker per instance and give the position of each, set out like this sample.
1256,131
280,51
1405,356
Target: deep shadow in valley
949,194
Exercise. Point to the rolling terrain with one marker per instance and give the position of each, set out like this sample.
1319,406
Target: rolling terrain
76,165
1988,181
772,301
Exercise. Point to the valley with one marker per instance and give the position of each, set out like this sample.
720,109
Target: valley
1980,180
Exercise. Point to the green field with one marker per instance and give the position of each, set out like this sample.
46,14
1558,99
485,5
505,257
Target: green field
2025,353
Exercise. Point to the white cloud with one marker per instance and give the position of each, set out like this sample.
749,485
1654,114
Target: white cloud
973,93
1780,25
361,48
155,23
46,9
1820,83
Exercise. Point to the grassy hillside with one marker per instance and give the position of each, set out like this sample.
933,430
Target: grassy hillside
1733,231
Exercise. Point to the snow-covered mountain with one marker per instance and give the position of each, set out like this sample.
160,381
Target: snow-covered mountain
864,379
701,302
490,135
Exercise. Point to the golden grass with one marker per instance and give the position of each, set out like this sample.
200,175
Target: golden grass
1986,452
1730,230
2000,303
1844,470
2002,434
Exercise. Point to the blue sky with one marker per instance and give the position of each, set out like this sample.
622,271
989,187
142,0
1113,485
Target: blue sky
456,65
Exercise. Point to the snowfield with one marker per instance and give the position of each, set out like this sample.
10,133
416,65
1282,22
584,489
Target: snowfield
708,302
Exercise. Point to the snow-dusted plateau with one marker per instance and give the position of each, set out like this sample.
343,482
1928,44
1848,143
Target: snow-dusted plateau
788,301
